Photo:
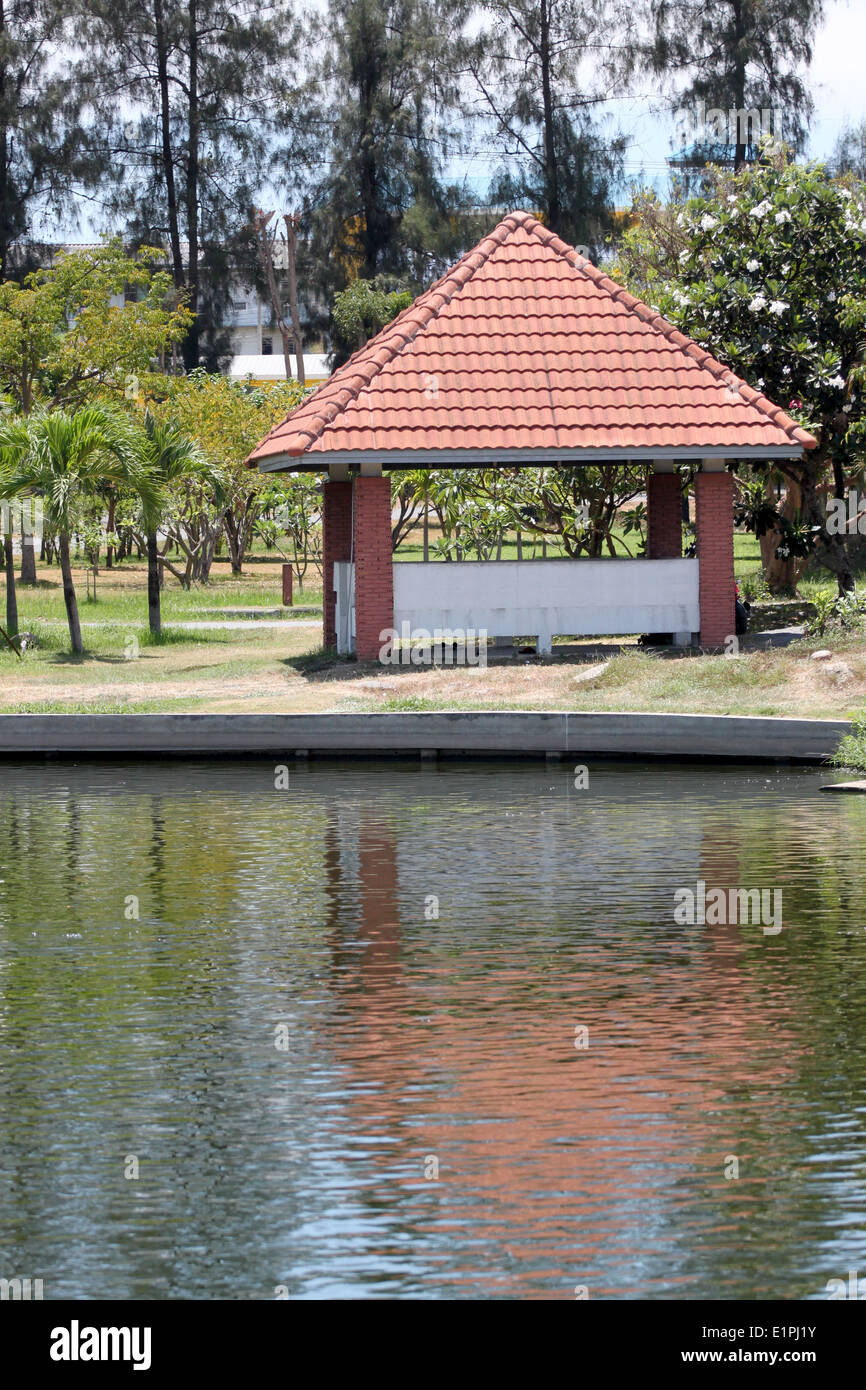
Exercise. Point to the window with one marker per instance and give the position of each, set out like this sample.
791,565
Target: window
267,346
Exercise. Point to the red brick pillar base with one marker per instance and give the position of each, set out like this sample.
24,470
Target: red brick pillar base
714,510
374,574
664,516
336,545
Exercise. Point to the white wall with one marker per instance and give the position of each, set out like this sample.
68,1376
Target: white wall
548,598
542,598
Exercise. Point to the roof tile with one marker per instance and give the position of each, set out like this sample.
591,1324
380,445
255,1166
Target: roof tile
526,344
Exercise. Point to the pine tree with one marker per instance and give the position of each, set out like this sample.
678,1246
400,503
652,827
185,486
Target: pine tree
736,57
527,80
388,78
43,154
187,94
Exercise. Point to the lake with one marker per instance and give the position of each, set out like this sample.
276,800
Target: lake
429,1030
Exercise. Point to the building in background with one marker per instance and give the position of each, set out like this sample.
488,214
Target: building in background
255,349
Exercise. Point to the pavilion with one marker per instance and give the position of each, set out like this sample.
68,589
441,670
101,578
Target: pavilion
526,354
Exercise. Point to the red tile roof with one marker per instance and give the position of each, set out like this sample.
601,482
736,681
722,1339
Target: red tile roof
525,345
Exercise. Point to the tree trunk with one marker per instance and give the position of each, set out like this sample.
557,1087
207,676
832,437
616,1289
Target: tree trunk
109,549
233,536
551,169
831,550
167,153
292,222
780,574
28,559
6,186
191,342
266,259
11,596
154,613
739,87
69,595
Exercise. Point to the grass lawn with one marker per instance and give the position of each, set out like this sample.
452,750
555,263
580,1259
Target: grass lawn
278,667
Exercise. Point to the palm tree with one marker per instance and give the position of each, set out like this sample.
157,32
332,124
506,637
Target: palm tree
165,454
68,455
14,441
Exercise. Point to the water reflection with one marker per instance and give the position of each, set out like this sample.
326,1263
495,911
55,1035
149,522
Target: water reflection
415,1038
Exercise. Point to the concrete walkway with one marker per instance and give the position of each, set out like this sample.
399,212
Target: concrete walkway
198,624
735,738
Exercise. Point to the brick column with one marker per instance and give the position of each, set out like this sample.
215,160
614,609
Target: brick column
664,516
714,510
336,545
374,575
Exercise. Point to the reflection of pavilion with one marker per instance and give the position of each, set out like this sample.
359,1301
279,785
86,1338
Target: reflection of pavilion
524,355
551,1157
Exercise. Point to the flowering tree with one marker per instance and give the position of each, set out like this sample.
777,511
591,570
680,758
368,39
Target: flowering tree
768,272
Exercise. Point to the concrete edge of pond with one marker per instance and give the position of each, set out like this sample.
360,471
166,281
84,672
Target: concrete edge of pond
509,733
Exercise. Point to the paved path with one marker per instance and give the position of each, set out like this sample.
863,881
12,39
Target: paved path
233,624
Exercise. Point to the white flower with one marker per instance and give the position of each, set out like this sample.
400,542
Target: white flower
753,264
778,307
757,304
708,222
761,382
786,371
838,382
683,257
783,216
761,209
766,347
786,270
831,297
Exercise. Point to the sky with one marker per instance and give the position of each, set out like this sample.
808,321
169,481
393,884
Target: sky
836,79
